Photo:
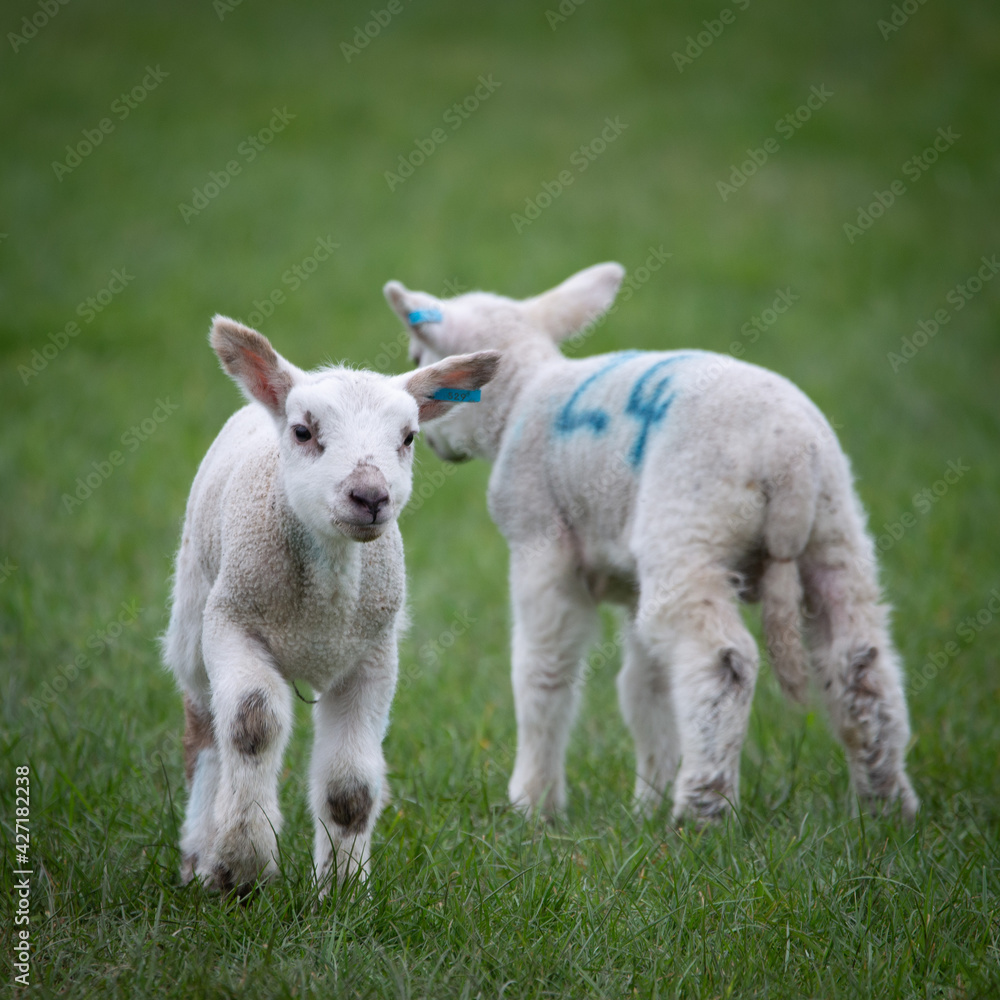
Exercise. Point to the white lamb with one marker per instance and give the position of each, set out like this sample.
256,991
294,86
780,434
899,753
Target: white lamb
273,585
673,483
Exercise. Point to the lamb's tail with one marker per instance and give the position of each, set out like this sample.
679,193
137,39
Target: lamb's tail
781,600
791,513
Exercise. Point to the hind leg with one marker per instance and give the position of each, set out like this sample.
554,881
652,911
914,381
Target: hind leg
182,652
645,698
713,662
201,771
857,669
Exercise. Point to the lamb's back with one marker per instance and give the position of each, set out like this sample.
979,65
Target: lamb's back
587,436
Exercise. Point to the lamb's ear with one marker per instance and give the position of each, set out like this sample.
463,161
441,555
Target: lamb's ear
254,365
420,311
456,375
579,300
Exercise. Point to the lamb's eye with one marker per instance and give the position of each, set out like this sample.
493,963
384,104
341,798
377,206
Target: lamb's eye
408,440
302,433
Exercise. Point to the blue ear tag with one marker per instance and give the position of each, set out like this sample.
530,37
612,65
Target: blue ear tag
458,395
425,316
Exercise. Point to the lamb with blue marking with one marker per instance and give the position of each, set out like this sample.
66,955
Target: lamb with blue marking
291,568
675,484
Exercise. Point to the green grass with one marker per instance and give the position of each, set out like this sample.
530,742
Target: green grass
795,898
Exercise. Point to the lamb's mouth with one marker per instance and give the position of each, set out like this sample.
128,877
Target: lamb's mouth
366,531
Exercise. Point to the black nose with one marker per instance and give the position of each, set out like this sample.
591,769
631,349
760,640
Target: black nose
372,498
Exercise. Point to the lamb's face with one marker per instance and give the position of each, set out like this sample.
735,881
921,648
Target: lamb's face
346,442
345,437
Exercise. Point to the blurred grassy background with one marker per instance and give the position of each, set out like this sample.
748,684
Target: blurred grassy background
225,68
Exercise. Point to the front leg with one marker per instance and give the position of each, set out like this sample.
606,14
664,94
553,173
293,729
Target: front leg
347,771
554,622
252,711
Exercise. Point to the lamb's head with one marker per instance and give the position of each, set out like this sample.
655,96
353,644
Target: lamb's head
345,437
524,330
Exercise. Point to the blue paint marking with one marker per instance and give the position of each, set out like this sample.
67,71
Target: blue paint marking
649,410
458,395
425,316
571,419
648,402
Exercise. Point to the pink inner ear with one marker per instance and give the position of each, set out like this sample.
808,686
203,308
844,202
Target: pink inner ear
261,370
456,375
